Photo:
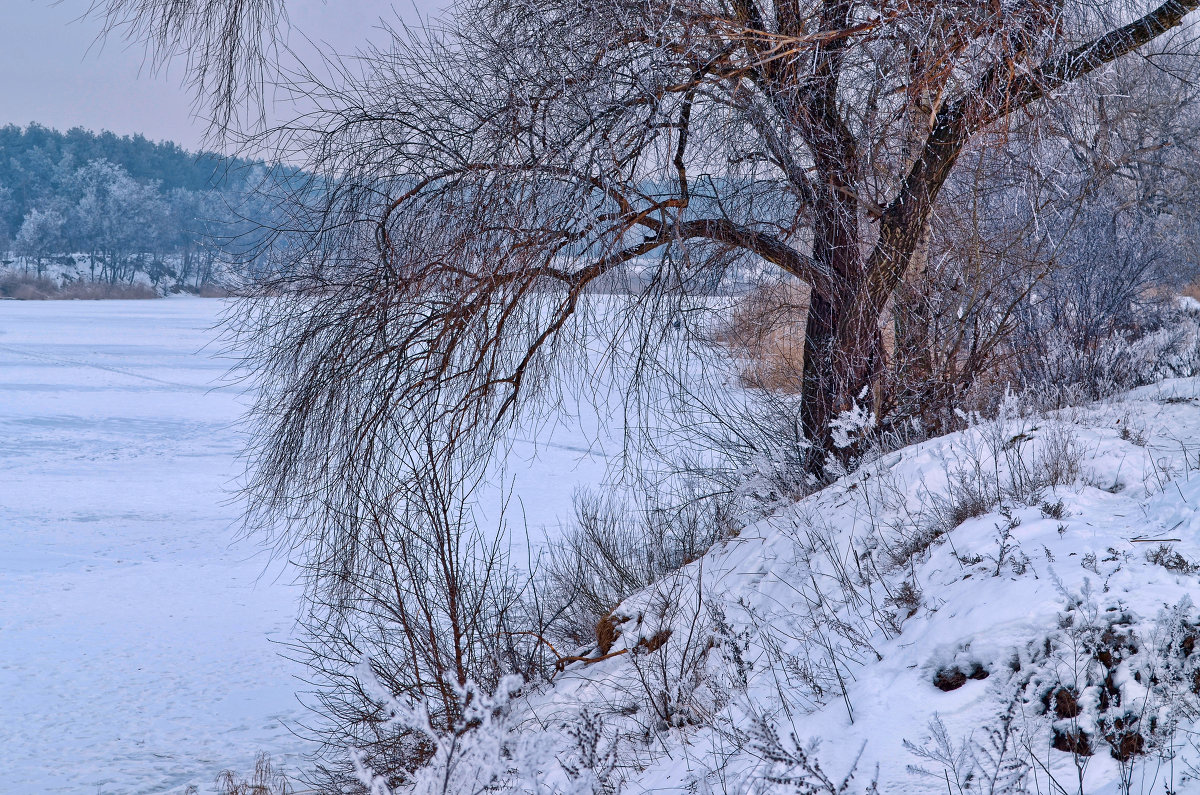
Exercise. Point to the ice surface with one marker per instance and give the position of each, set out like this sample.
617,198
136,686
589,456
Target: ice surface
137,635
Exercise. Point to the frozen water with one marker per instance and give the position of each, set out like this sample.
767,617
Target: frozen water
137,634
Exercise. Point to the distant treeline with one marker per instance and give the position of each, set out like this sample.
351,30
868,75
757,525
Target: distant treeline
131,205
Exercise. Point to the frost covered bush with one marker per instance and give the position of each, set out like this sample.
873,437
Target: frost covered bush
795,767
1067,368
614,550
1103,319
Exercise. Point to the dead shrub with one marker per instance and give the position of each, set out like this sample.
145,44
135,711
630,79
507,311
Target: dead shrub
614,550
1066,703
655,641
265,780
1166,556
1072,740
34,288
947,679
606,633
767,330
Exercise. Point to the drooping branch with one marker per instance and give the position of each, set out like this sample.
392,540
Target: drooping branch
227,45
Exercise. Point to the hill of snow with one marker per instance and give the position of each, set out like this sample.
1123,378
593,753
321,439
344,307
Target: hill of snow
1004,609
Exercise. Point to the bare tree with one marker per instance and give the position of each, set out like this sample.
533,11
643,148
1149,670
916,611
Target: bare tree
542,145
481,190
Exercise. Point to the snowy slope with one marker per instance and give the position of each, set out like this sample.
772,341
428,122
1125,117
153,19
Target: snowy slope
989,611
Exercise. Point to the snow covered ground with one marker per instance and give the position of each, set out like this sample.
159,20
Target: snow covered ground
1008,609
136,650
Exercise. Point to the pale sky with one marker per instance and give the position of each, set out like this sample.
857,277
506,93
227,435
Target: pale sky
54,71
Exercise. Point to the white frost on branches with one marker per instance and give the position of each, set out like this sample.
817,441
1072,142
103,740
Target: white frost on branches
848,426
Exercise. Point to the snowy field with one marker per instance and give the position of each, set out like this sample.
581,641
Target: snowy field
136,633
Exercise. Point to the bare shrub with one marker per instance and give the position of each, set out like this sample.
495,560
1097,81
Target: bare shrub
423,604
265,780
1031,468
613,551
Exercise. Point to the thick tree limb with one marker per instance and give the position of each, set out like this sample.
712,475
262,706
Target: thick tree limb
1089,57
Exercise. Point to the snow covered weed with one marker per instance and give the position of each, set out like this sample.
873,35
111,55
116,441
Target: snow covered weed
1015,460
490,750
1103,681
265,780
1061,372
795,766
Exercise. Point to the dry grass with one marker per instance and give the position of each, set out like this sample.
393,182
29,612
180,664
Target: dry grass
31,288
214,291
265,780
26,288
767,330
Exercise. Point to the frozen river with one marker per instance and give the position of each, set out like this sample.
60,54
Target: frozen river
136,634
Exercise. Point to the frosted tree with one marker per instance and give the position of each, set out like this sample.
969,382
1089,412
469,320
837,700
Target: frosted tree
41,236
116,218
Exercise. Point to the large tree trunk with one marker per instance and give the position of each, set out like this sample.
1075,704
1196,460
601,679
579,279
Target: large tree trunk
843,346
843,361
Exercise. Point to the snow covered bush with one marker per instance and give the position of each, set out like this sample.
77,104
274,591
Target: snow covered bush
423,614
614,550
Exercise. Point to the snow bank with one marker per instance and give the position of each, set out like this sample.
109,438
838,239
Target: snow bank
1004,609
